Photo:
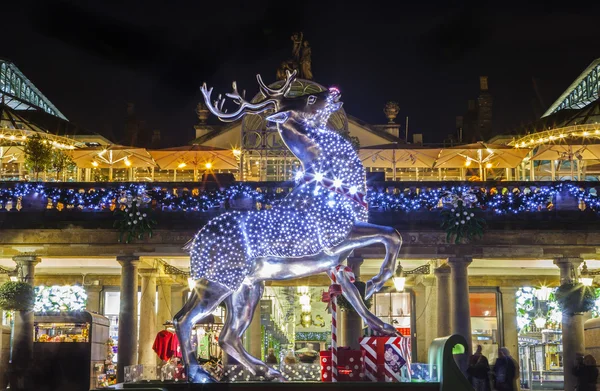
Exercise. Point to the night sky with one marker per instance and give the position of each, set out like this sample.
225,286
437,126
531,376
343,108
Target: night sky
92,57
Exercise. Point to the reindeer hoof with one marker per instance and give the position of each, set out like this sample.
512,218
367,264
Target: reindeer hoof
199,375
274,375
390,330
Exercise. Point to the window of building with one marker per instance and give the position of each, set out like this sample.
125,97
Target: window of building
484,322
394,308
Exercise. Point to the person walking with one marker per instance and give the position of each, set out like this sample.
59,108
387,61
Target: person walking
478,371
505,371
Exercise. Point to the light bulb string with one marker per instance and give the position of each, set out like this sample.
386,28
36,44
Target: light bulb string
346,191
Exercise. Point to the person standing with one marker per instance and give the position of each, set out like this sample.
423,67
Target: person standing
504,371
271,359
478,371
586,372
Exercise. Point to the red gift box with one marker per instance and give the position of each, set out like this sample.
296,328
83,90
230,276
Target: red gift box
350,365
325,359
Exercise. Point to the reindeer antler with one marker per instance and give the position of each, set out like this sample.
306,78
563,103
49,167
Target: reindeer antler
271,93
216,107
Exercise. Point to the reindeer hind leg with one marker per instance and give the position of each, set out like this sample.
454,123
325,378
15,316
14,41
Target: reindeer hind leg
203,300
241,306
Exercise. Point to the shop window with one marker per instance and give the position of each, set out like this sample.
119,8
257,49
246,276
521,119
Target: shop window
394,308
484,323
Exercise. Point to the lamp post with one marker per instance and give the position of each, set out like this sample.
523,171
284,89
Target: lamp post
586,277
400,280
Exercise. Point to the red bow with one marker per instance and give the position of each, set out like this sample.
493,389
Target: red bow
336,289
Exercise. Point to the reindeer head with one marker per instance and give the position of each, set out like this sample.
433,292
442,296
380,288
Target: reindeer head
312,109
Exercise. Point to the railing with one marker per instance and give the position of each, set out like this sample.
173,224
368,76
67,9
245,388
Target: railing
492,197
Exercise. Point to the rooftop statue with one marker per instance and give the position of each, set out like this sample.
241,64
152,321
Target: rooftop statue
300,61
313,230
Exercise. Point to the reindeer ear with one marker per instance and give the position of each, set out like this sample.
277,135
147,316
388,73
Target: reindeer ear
336,106
278,117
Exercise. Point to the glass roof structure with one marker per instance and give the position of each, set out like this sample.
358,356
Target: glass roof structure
583,91
19,93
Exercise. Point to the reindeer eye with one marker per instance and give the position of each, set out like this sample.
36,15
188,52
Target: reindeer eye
312,99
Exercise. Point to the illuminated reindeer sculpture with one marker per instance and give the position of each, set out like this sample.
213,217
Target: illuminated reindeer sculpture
311,231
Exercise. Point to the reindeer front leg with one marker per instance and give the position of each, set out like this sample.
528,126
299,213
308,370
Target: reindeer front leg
351,294
365,234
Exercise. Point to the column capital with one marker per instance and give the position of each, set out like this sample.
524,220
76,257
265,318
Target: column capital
575,261
27,258
93,288
355,261
509,290
568,268
128,260
459,260
148,272
443,271
161,280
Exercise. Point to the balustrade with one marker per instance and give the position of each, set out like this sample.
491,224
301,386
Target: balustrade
499,197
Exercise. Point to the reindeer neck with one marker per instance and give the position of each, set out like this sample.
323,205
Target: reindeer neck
323,151
294,135
338,159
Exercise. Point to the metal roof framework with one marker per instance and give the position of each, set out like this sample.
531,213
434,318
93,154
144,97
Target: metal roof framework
19,93
581,92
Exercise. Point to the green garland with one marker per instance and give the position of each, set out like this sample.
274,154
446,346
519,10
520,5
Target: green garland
343,304
575,298
133,223
16,296
321,336
462,223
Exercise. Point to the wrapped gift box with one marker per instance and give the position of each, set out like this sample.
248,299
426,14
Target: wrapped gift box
325,359
351,365
385,358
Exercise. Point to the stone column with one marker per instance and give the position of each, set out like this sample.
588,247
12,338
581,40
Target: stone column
420,333
127,344
444,311
253,333
93,298
461,313
352,323
164,312
509,319
22,337
146,355
430,314
572,323
179,295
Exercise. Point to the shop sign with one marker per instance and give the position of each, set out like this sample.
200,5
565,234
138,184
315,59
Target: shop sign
529,340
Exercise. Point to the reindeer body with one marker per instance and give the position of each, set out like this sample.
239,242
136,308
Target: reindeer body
310,231
311,219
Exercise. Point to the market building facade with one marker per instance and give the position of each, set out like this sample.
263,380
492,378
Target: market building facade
490,290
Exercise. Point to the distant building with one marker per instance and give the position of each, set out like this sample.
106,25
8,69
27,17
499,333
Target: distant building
476,123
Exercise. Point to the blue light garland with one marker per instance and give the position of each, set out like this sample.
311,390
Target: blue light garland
108,198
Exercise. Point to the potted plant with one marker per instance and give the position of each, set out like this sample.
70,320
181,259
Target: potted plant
575,298
16,296
462,223
19,297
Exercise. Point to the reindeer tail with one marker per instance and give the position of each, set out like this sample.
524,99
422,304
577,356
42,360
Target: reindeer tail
188,246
